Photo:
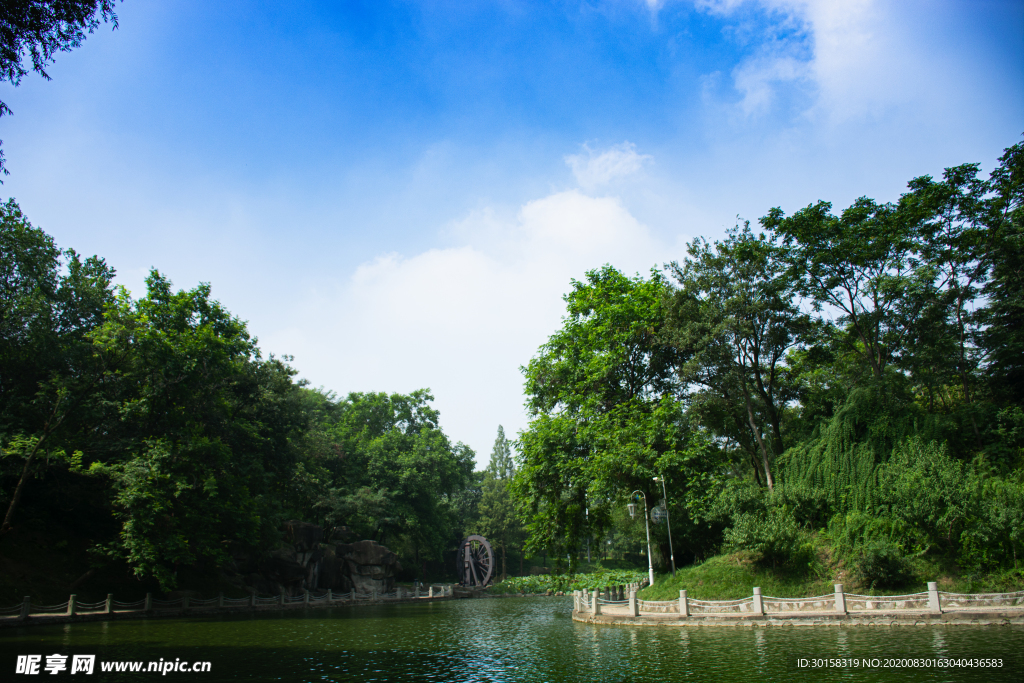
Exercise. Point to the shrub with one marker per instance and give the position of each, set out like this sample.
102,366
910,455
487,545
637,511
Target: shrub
772,534
881,564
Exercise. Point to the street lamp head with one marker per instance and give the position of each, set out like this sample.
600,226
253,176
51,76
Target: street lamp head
655,479
632,510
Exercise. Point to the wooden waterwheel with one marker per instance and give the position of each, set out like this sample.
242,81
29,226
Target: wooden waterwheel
475,562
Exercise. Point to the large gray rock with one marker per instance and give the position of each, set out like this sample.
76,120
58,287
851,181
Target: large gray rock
302,536
363,566
304,562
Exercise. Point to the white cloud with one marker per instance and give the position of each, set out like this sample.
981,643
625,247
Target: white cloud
461,320
854,56
757,79
594,170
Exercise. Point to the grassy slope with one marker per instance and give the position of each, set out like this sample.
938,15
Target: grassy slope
730,577
733,576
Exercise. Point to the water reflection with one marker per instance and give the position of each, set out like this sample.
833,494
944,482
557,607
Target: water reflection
507,640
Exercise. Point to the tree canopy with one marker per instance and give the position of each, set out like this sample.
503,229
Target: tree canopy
817,374
176,446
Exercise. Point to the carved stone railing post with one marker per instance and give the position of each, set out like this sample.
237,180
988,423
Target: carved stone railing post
758,602
684,604
934,601
840,599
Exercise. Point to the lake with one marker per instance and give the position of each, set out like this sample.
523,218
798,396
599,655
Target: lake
510,639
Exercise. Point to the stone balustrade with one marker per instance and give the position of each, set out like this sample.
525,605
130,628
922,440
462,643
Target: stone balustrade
839,602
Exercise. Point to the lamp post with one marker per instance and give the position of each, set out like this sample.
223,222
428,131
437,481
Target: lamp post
668,523
647,525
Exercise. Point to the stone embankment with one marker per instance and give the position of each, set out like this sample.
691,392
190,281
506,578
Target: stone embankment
931,607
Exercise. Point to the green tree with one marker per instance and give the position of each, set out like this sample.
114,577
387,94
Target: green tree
859,265
396,474
499,520
1003,338
733,319
602,393
196,446
50,301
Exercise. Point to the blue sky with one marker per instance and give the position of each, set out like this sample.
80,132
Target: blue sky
399,192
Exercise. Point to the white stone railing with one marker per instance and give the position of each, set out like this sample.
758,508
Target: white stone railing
817,603
839,602
856,602
743,605
954,601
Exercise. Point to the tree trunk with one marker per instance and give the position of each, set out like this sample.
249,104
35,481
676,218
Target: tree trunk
757,432
760,442
52,424
20,487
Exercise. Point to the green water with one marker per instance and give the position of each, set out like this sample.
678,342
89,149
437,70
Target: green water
518,639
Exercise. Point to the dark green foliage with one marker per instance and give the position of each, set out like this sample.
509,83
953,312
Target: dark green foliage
1003,339
197,429
605,419
499,518
772,534
152,430
840,390
857,372
880,564
733,320
381,466
50,379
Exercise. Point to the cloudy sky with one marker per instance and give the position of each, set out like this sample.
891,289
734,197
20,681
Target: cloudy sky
398,192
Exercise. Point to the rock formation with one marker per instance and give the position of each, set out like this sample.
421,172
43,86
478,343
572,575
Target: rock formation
364,566
304,561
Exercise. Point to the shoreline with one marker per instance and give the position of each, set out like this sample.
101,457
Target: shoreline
50,619
1007,617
